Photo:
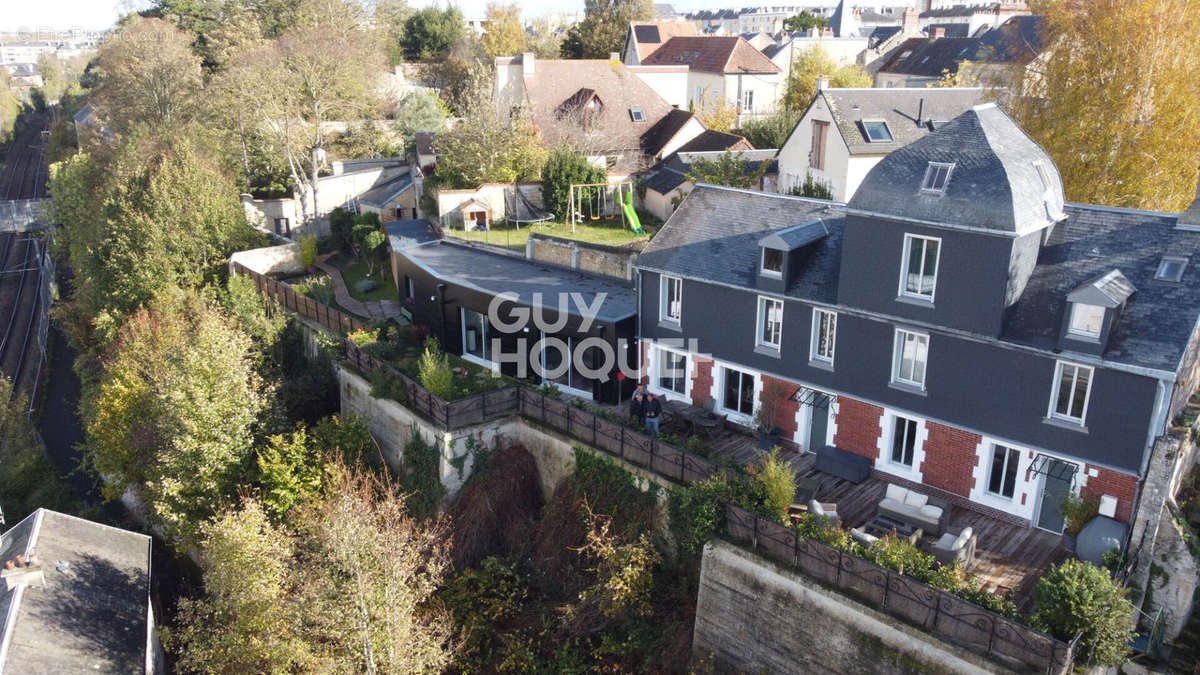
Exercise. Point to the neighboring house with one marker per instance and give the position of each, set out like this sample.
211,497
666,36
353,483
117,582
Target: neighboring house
426,154
970,20
598,106
395,199
987,59
758,40
451,286
956,323
724,69
643,37
846,132
82,603
667,183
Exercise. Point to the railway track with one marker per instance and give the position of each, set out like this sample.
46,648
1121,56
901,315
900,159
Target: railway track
20,288
24,174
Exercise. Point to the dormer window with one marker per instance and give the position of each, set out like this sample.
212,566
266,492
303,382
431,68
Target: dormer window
1171,268
772,262
1086,321
637,115
918,269
937,175
877,131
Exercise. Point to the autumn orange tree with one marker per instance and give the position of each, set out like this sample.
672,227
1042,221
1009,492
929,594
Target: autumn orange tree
1115,100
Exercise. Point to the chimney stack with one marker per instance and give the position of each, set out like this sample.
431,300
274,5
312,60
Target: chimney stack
911,23
822,82
937,32
614,56
527,64
920,110
1191,217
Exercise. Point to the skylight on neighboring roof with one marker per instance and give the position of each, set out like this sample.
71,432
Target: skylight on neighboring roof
936,177
877,131
934,125
1171,268
637,114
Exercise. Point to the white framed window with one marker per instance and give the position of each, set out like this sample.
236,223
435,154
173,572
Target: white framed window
904,441
1002,472
748,100
877,131
772,262
670,306
637,114
1071,391
698,99
937,175
824,335
919,266
770,322
670,370
1170,268
737,391
1086,320
475,337
911,354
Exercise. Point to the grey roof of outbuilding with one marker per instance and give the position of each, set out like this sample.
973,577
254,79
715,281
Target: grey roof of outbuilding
91,614
714,235
994,185
381,194
405,233
793,238
497,273
716,232
899,107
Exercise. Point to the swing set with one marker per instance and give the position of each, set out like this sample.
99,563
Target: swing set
593,201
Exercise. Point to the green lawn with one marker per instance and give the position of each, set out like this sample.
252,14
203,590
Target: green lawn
354,270
607,233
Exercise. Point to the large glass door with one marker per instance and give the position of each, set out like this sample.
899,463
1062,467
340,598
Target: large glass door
1057,477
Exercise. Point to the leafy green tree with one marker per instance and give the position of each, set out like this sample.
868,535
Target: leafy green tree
390,18
483,148
504,35
1078,597
800,23
28,480
172,416
434,370
731,169
801,83
462,77
10,106
770,131
348,587
605,23
54,79
159,213
563,168
430,32
571,46
420,110
149,75
368,238
1117,115
779,481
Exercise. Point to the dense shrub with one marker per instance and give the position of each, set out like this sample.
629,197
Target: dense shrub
1078,597
611,490
421,479
495,508
564,168
434,370
698,511
779,482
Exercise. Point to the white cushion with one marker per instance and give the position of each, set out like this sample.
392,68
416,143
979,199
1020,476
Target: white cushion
896,493
916,499
946,541
961,541
968,532
931,511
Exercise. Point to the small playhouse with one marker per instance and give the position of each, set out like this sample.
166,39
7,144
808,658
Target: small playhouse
491,203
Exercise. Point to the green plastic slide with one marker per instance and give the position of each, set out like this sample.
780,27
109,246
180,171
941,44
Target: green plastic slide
630,214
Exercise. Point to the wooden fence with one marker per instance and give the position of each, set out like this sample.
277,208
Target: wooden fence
288,298
934,610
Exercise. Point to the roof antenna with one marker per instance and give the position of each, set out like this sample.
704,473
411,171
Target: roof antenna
920,110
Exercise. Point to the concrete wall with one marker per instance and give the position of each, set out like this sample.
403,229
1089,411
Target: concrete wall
669,82
752,616
605,260
262,213
284,259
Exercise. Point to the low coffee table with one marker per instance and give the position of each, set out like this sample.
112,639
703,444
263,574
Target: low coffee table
881,526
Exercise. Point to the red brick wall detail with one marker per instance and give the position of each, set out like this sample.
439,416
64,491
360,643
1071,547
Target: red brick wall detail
949,458
1123,486
702,380
785,414
858,427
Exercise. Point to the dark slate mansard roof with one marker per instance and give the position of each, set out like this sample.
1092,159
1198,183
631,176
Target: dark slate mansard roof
716,232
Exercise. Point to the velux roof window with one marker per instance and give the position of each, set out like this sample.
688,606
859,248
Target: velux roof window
936,177
877,131
1171,268
637,114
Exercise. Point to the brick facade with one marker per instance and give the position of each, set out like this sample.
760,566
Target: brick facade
1123,486
702,379
949,458
858,427
785,415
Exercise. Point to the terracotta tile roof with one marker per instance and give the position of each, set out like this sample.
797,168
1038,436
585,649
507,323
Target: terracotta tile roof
604,93
650,35
712,55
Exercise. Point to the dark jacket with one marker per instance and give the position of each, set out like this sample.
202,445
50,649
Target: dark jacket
653,408
637,407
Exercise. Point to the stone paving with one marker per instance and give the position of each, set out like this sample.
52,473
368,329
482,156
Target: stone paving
375,309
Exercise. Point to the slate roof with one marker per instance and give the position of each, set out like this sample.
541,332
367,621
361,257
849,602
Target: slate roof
662,131
793,238
899,107
380,195
994,183
91,614
1110,290
553,82
497,273
672,172
714,141
1015,41
712,54
648,36
715,235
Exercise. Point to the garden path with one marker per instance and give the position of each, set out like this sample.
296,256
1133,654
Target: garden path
379,309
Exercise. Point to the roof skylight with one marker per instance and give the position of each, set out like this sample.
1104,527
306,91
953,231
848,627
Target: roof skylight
937,175
877,131
1171,268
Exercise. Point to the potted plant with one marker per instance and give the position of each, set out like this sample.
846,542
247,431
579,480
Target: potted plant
765,416
1076,512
